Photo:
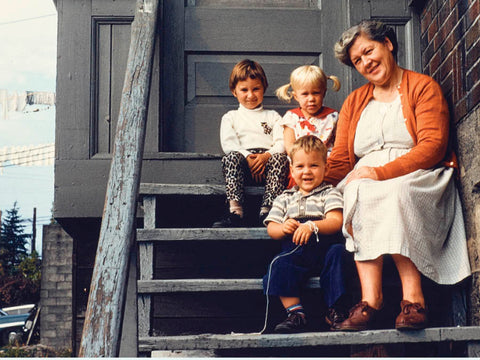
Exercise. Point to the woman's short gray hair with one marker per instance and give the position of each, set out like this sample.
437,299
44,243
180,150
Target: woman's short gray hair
373,29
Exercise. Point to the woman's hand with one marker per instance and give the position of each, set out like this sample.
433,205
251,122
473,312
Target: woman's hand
302,234
363,172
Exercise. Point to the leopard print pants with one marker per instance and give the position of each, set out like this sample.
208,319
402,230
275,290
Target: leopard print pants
237,175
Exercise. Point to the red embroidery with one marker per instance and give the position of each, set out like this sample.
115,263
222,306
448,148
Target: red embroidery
308,125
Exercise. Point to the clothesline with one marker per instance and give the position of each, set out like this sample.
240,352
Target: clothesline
31,155
17,101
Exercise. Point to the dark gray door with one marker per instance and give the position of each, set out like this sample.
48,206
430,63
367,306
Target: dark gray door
203,39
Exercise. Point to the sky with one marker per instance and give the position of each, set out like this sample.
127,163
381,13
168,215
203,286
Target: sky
28,33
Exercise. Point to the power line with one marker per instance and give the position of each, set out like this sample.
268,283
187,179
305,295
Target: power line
28,163
39,147
32,153
27,19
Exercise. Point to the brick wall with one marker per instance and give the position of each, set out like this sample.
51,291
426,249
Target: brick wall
56,324
450,53
450,41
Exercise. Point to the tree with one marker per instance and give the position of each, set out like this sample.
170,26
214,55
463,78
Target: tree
13,241
24,286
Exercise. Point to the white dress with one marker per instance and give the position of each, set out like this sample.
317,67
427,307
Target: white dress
417,215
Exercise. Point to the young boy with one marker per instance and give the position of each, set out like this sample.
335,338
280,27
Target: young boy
304,217
252,140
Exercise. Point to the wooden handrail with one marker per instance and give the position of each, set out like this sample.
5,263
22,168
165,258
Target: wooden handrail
103,319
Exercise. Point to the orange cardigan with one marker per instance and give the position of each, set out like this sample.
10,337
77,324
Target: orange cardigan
426,113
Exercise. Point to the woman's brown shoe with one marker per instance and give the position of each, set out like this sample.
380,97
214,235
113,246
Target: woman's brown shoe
413,316
360,318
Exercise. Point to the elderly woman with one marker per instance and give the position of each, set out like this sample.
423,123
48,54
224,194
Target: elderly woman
400,197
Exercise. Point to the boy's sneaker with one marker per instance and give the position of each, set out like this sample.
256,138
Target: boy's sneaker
231,220
295,322
335,316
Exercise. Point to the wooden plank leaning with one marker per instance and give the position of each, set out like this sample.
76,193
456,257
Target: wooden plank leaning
103,319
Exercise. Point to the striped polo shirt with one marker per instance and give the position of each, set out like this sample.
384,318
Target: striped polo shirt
292,204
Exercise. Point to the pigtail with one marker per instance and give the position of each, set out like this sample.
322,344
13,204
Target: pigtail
283,93
336,82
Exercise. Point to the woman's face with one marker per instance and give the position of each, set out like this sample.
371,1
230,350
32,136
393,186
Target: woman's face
372,59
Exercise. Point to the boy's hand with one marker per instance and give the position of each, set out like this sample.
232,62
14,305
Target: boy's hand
289,226
302,235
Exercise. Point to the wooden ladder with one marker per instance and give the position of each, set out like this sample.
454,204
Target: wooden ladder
147,287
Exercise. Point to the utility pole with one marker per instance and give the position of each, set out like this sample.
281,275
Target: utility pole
34,230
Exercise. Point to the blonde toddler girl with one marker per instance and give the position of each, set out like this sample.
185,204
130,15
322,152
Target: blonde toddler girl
308,86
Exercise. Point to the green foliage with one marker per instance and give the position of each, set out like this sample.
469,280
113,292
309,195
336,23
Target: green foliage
19,272
23,287
17,290
30,267
13,241
33,351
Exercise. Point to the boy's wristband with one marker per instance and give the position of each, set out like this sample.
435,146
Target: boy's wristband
313,227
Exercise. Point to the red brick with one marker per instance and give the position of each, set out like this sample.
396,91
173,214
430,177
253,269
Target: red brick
462,6
472,34
472,55
473,76
432,30
427,54
435,62
472,13
438,41
444,13
456,76
447,84
460,110
446,67
473,98
426,19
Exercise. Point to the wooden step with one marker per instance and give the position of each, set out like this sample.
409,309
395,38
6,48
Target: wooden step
168,234
203,285
255,341
192,189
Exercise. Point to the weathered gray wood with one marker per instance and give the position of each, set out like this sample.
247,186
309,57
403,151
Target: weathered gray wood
103,319
200,285
233,341
146,267
129,341
192,189
473,349
149,209
144,300
232,234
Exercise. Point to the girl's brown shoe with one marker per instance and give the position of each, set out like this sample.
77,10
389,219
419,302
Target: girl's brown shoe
360,318
412,317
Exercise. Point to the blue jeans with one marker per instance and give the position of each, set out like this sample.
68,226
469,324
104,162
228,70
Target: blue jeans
289,274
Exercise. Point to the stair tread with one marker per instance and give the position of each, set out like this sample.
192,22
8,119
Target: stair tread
242,341
203,285
192,189
172,234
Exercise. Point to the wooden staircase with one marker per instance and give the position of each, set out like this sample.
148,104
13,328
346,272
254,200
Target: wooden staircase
200,288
